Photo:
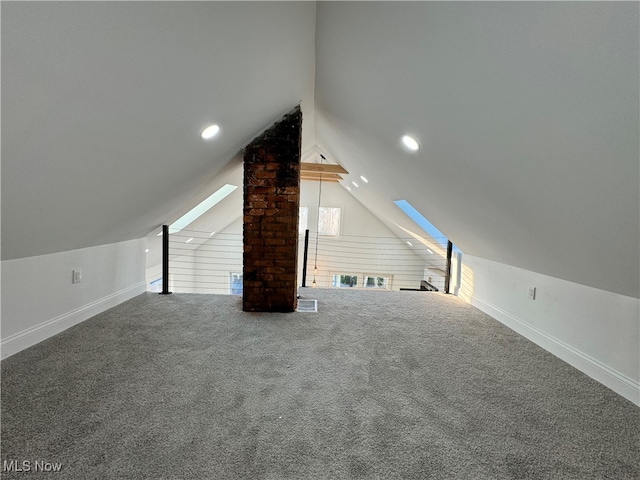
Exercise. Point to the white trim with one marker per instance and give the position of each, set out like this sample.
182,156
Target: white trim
27,338
616,381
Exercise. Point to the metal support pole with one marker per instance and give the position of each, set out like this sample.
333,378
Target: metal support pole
306,253
447,279
165,260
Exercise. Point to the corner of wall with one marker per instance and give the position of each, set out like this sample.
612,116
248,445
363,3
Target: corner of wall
38,333
39,299
595,331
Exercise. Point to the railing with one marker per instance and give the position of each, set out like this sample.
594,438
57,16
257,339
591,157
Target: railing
393,263
200,262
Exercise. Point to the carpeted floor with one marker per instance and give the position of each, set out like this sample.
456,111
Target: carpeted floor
379,385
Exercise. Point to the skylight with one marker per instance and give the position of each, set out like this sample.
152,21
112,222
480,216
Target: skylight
201,208
422,222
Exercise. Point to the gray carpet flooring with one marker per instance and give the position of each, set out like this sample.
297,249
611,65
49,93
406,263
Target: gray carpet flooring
379,385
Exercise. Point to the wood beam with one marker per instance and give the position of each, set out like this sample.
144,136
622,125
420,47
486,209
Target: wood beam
322,167
318,175
326,177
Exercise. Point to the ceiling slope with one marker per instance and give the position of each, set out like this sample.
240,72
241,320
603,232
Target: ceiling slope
527,113
103,102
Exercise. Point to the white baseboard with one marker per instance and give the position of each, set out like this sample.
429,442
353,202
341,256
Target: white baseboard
27,338
619,383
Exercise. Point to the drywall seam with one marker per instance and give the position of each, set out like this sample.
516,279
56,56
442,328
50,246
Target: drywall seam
616,381
36,334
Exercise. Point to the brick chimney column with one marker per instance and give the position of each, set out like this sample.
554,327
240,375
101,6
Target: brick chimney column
271,206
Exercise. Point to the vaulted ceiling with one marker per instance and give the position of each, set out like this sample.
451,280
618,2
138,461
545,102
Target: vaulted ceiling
526,112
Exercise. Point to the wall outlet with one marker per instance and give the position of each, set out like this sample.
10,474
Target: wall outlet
532,293
77,276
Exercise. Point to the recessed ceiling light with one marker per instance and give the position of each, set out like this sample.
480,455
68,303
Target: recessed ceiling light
355,184
190,240
209,132
430,251
347,187
411,143
212,233
146,251
409,243
364,179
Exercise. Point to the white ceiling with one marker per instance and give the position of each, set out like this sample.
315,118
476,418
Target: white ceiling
527,113
102,104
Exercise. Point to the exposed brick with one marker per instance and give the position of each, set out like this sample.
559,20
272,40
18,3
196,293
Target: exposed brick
261,205
271,201
262,190
265,174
